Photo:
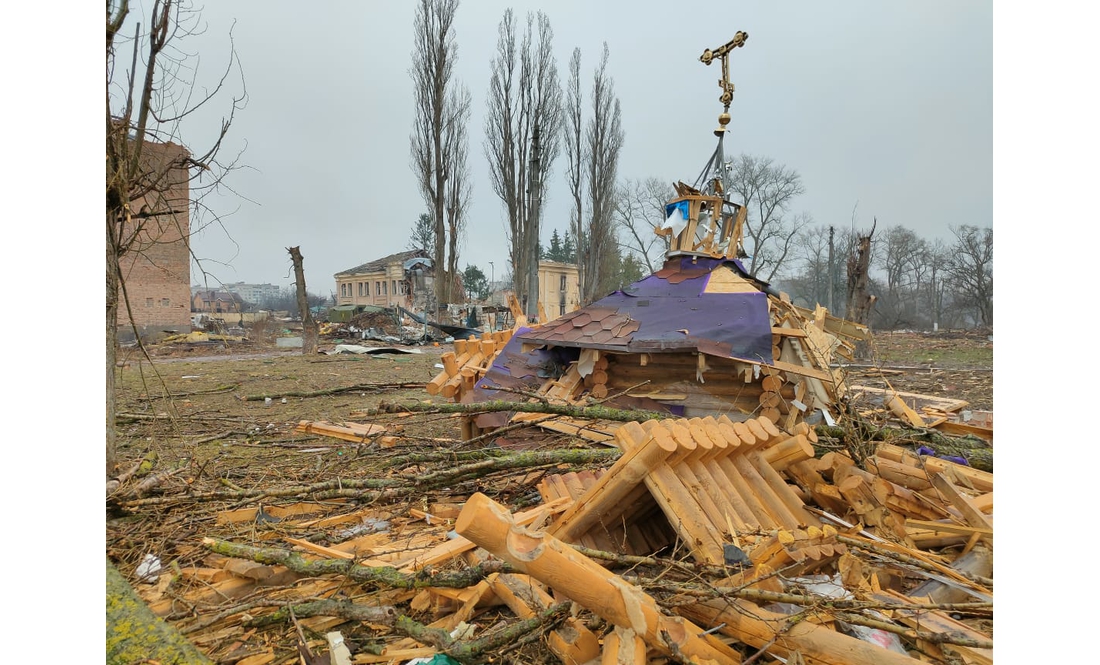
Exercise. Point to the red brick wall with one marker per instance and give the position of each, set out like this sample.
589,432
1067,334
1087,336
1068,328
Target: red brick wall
157,271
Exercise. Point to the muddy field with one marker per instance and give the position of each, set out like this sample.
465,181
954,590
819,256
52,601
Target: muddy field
221,420
952,364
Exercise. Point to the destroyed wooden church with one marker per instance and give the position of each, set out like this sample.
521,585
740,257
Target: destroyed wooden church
723,528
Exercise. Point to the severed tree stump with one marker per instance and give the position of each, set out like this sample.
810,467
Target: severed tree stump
136,635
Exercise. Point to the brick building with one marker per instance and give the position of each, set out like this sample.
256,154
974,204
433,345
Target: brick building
156,271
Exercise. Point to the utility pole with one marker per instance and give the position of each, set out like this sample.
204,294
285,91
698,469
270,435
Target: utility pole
832,271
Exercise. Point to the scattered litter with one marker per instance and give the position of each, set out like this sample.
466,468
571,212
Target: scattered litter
149,568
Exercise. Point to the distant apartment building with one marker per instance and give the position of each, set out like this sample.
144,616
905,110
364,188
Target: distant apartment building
156,270
402,279
254,294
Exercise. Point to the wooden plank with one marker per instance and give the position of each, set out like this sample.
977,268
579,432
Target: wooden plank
941,403
789,332
359,433
962,429
947,527
974,517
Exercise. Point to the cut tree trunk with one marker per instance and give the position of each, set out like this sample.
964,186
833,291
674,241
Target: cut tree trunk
136,635
309,326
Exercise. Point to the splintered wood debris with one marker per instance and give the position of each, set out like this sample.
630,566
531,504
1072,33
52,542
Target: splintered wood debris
708,540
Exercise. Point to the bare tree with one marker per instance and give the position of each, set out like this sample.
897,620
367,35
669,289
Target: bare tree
808,282
603,142
902,259
767,190
970,270
639,209
153,178
814,279
938,256
439,143
576,157
522,130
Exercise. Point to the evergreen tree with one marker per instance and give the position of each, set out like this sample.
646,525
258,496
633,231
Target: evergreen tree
555,252
475,283
423,234
569,249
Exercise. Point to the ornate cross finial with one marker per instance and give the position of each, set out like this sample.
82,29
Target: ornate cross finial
724,83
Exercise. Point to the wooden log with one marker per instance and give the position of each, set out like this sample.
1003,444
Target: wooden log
744,499
356,432
772,383
764,430
436,384
622,646
450,364
573,643
450,549
788,451
453,383
562,568
695,476
857,491
782,491
902,410
759,628
679,505
977,479
940,623
911,477
731,494
604,501
772,415
807,476
708,428
764,494
905,501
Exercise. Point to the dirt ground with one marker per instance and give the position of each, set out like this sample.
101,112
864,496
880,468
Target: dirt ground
221,419
952,364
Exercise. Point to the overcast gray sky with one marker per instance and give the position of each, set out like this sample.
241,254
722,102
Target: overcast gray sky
883,108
